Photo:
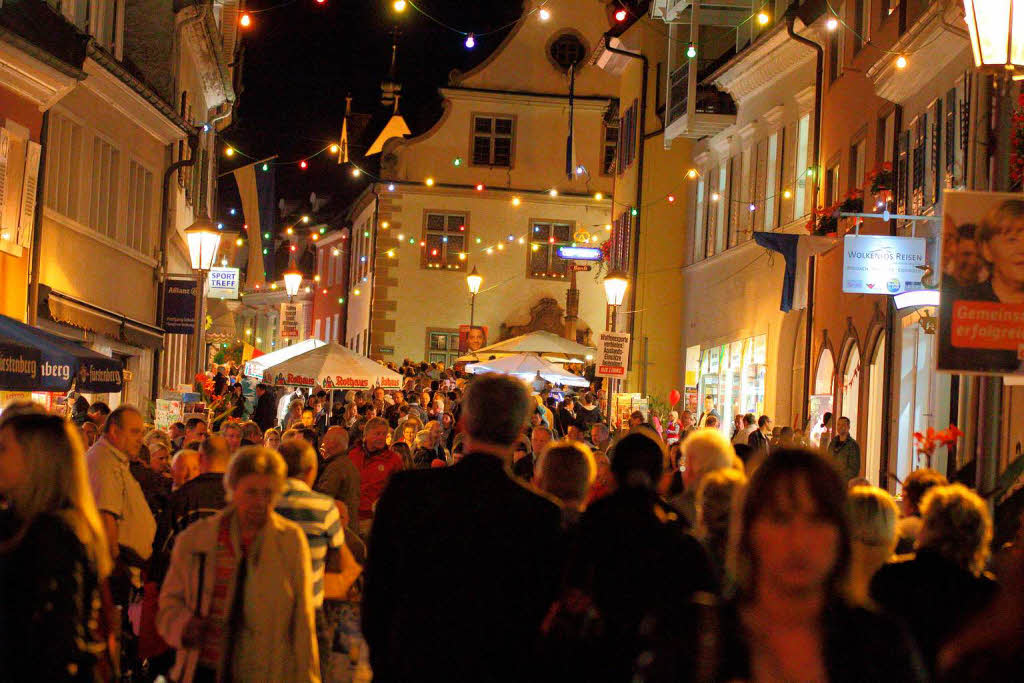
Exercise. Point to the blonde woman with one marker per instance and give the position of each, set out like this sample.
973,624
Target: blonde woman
717,497
873,515
944,584
252,618
294,414
53,556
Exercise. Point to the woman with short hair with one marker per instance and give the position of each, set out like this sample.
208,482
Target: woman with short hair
53,556
252,617
944,584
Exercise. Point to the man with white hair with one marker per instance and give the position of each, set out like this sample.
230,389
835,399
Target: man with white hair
704,451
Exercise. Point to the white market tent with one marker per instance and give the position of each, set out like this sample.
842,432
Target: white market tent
538,342
331,366
526,366
257,366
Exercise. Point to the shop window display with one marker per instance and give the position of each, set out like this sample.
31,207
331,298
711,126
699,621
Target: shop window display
734,375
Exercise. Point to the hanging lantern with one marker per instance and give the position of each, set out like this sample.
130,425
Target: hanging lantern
995,41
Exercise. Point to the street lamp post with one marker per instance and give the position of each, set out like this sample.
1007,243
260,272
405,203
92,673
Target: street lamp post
292,281
999,50
615,284
203,241
473,280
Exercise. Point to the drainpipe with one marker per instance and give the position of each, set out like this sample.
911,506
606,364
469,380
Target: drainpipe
635,261
37,227
819,74
165,228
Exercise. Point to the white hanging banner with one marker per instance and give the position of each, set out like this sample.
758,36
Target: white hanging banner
612,354
882,264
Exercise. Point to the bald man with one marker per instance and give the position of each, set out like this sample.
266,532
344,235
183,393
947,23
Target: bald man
184,468
203,495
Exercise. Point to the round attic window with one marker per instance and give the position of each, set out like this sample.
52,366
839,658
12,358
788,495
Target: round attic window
567,50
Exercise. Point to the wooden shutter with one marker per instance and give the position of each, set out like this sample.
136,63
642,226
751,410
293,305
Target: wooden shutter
788,146
759,195
27,215
5,151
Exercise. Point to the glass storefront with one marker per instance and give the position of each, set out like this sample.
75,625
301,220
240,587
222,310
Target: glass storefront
733,375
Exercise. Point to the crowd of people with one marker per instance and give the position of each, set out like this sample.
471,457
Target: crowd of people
482,529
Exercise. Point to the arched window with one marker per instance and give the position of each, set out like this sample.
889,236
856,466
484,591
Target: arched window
824,376
849,392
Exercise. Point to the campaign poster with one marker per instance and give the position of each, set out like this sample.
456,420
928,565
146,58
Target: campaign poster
472,338
179,306
981,310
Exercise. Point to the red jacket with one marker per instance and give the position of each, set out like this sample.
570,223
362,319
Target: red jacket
374,472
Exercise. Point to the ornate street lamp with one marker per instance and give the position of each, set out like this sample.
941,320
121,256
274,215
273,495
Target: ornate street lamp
615,284
292,281
994,40
203,239
473,281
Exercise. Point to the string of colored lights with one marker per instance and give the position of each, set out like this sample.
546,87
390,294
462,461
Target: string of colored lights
478,34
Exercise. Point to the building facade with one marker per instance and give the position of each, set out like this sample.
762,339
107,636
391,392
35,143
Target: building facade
487,188
156,87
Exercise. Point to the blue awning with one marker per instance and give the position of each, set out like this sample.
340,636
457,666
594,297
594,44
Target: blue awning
34,360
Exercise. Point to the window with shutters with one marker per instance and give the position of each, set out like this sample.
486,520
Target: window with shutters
800,194
627,139
862,23
902,172
739,190
609,148
6,225
832,183
542,260
933,182
858,163
106,188
917,161
949,162
771,188
697,246
63,167
714,214
493,138
837,46
716,241
139,209
445,236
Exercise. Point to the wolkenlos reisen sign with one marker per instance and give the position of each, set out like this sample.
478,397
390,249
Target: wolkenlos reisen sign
882,264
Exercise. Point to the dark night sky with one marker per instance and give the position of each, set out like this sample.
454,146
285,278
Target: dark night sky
302,59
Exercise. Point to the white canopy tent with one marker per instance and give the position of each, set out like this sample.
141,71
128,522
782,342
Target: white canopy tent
332,366
538,342
526,366
257,366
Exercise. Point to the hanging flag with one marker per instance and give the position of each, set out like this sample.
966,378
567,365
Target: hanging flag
570,141
343,141
396,128
796,249
256,188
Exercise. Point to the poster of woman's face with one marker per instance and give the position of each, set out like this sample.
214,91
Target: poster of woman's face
981,313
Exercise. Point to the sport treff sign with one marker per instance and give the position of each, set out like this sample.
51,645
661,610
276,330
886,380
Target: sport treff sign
223,283
612,354
881,264
580,253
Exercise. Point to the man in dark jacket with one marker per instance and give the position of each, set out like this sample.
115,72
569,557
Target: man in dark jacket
265,413
483,548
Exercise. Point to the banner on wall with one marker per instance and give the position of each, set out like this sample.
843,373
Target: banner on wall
472,338
981,302
882,264
179,306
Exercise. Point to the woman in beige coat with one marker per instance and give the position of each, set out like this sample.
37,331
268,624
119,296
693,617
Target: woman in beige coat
265,632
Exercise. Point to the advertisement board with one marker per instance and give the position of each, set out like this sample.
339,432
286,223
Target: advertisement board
981,302
612,354
882,264
580,253
223,283
292,322
472,338
179,306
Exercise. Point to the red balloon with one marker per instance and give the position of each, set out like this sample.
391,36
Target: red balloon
673,397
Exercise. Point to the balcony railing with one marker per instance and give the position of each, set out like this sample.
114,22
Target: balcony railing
714,110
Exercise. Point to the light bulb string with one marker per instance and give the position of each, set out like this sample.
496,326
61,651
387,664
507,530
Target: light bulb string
476,34
867,43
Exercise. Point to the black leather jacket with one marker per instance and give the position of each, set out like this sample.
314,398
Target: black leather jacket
49,605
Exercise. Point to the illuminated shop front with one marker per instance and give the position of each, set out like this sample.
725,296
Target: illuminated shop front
733,375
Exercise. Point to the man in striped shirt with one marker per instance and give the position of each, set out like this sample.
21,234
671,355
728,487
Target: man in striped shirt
319,518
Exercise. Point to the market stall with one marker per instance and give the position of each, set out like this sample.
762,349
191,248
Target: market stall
527,366
256,367
539,342
331,366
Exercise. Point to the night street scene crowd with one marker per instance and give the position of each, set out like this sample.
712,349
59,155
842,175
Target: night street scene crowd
483,529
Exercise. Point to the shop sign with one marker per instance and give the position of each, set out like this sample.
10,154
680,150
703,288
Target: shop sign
981,319
580,253
612,354
882,264
19,367
179,306
580,267
291,322
223,283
